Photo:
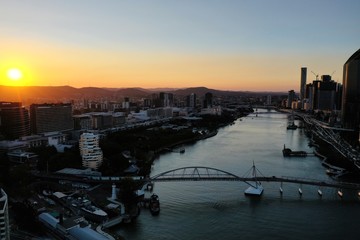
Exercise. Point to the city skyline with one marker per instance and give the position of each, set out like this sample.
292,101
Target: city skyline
232,45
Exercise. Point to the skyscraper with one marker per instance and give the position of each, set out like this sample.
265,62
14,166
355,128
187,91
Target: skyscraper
51,117
166,99
351,92
14,120
191,101
303,85
4,216
208,101
291,98
325,94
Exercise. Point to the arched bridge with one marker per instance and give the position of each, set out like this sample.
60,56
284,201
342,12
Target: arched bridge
199,173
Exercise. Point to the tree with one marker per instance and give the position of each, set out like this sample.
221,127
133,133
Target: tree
127,193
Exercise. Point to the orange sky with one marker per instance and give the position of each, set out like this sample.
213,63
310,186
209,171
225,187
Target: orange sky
55,65
238,46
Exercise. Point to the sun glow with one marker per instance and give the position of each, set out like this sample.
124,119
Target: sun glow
14,74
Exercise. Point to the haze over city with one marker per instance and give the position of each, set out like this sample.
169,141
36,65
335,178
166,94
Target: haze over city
227,45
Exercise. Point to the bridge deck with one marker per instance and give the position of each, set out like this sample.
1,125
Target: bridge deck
342,185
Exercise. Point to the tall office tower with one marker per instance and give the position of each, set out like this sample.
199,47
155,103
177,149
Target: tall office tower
302,85
90,151
51,117
166,99
208,101
351,92
324,94
4,216
291,98
14,120
191,100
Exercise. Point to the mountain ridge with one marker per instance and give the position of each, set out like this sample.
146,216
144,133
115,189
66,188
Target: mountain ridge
40,94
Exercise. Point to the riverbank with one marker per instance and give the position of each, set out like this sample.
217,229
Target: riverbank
146,144
337,166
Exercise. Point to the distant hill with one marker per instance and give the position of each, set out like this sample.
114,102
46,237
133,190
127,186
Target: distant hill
42,94
200,91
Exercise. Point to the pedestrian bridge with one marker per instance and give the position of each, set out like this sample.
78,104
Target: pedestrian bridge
199,173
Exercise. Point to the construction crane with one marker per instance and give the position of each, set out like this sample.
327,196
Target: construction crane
332,73
316,75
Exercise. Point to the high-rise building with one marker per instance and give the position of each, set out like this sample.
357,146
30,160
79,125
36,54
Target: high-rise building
351,92
51,117
166,99
191,101
90,151
291,98
208,101
4,216
326,94
14,120
303,85
323,94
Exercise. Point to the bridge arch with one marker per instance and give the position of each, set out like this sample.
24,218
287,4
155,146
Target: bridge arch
196,173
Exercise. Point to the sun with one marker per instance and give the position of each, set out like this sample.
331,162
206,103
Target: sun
14,74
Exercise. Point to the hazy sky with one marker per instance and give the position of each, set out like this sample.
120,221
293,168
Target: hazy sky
234,45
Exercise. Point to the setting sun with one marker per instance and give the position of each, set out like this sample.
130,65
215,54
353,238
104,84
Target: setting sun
14,74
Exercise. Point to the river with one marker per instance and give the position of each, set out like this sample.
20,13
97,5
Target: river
220,210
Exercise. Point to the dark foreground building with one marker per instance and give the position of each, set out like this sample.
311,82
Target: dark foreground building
351,93
51,117
14,120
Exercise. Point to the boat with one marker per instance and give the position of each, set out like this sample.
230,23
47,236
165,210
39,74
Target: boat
340,193
154,204
292,126
93,213
86,208
256,189
287,152
320,192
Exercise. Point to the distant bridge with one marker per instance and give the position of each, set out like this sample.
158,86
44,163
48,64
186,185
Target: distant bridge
199,173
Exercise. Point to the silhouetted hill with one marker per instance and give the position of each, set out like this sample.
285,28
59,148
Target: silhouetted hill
42,94
133,92
200,91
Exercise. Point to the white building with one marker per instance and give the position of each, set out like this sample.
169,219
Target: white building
4,216
90,151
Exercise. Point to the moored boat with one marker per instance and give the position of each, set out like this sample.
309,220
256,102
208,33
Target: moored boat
291,126
93,213
340,193
320,192
154,204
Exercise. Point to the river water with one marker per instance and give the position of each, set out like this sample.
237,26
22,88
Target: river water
220,210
